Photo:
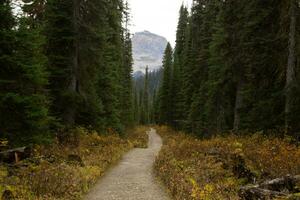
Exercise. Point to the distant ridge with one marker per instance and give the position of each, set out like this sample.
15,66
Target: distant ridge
138,74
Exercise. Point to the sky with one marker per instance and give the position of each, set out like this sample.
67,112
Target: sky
157,16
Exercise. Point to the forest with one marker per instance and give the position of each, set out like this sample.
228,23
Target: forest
219,120
235,67
63,64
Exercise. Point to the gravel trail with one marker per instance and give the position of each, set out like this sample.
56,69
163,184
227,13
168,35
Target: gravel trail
133,178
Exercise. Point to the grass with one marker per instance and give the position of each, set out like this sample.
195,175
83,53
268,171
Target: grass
217,168
68,171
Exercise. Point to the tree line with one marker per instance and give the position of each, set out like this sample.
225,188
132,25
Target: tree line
64,64
235,66
145,92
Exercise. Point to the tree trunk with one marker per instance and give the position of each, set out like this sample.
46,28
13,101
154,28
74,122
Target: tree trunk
238,105
290,71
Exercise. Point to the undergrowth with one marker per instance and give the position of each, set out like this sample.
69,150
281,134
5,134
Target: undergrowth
218,167
67,171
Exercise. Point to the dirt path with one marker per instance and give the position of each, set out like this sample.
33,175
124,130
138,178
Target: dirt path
133,177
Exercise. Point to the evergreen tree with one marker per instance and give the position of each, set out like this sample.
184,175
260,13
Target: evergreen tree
165,95
189,60
262,72
155,107
63,54
145,102
23,100
127,107
203,18
8,69
110,80
91,36
177,76
136,106
219,105
127,96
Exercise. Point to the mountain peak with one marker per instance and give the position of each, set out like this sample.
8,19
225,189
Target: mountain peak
148,49
145,32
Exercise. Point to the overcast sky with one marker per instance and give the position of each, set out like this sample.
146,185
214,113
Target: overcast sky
157,16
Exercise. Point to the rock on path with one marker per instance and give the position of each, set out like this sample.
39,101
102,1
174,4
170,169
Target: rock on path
133,178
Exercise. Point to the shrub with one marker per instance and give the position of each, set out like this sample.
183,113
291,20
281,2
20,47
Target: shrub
216,168
49,173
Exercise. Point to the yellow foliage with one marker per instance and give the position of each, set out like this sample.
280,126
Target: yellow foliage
49,175
199,193
137,139
203,169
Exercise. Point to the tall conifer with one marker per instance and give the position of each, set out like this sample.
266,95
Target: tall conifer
165,95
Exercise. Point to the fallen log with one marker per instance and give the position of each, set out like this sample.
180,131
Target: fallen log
255,192
15,155
279,187
281,184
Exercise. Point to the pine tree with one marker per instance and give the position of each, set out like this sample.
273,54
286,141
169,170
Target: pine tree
177,76
63,55
127,107
23,100
141,107
155,107
110,80
127,96
221,87
261,74
145,101
165,95
189,60
202,20
136,106
91,38
8,69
